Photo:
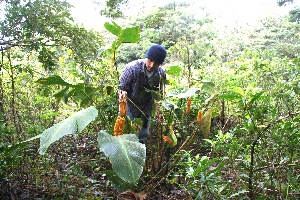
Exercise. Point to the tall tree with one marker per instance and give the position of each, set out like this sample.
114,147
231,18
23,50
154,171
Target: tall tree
294,15
31,24
283,2
43,31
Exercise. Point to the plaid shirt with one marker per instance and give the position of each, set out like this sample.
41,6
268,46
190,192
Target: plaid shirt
134,81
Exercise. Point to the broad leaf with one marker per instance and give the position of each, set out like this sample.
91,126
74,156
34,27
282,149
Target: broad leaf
130,35
126,154
53,80
117,182
113,28
230,96
168,105
174,70
190,92
256,97
71,125
212,98
239,91
61,93
208,86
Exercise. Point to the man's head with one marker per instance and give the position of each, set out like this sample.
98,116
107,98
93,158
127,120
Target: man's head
155,55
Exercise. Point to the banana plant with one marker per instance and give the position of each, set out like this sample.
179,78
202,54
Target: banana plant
127,35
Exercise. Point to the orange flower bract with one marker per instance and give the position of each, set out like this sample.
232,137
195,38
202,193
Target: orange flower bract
119,126
168,140
122,106
199,117
188,106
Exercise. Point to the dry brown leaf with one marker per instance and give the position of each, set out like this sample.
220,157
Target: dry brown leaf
130,195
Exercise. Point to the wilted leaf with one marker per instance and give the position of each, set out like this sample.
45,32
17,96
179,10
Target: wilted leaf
206,123
129,194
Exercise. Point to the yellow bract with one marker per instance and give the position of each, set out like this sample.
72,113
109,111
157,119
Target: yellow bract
206,123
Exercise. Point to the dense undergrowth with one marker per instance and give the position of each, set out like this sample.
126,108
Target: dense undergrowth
245,146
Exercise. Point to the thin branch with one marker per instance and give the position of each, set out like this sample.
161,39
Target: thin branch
280,119
273,165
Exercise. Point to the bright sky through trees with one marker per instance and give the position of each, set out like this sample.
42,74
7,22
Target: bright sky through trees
225,13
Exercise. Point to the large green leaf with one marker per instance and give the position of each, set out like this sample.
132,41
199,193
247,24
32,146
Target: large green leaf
130,35
174,70
117,182
53,80
256,97
127,155
190,92
239,90
75,123
230,96
113,28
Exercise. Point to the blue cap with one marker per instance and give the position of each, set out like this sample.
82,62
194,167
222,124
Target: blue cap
157,53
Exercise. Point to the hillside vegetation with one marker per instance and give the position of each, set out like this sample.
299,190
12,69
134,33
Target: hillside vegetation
226,126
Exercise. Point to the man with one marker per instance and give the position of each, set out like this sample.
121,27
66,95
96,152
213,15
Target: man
137,77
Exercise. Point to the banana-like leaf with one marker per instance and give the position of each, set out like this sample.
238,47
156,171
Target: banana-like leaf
113,28
126,154
130,35
75,123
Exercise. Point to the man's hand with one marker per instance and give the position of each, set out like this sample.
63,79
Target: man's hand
122,94
122,102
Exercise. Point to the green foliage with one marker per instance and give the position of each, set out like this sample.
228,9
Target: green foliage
251,151
190,92
75,123
283,2
38,25
280,36
113,8
126,154
174,71
127,35
294,15
168,26
203,176
10,156
80,92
